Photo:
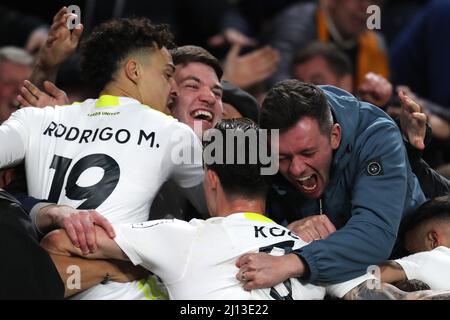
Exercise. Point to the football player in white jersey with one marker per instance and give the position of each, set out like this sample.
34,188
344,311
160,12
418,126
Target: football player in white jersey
109,154
427,238
198,99
196,259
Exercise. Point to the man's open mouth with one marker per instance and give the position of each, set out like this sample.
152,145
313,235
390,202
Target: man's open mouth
308,183
202,115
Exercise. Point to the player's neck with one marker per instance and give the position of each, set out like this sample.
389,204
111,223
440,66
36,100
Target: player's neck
230,206
115,89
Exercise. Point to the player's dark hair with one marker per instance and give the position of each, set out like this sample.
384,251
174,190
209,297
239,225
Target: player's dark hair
239,179
112,41
431,210
187,54
291,100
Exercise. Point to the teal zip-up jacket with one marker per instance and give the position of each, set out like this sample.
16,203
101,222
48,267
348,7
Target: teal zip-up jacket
371,188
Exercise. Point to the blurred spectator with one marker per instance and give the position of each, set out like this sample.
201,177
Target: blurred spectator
420,61
324,64
343,22
252,68
192,22
21,30
250,16
15,67
26,271
420,54
397,16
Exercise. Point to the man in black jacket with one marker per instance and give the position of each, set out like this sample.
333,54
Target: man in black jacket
26,270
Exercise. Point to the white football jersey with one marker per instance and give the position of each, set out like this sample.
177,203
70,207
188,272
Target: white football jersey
431,267
196,259
110,154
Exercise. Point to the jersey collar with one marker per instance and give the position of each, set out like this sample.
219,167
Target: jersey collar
250,216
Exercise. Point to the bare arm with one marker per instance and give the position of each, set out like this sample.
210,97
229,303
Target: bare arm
60,45
58,242
79,274
392,272
387,291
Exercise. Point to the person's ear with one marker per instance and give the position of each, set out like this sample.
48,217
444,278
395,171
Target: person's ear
6,176
335,136
132,70
433,239
212,179
2,179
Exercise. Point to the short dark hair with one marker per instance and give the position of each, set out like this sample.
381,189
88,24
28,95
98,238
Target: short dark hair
291,100
112,41
434,209
337,60
187,54
239,179
241,100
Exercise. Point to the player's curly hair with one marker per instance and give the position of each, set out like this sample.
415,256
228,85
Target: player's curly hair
112,41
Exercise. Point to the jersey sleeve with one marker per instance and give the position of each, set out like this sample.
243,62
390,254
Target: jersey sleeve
161,246
431,267
185,155
14,135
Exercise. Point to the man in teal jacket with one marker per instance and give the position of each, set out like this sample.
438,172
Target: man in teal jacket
343,166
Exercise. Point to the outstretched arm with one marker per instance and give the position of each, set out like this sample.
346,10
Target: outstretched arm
392,272
79,224
413,121
60,45
79,274
58,242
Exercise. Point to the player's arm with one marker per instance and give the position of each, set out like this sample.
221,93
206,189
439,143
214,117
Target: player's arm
14,135
60,45
392,272
79,224
79,274
58,242
385,291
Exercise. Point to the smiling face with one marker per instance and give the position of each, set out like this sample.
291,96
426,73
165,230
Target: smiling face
199,95
306,154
